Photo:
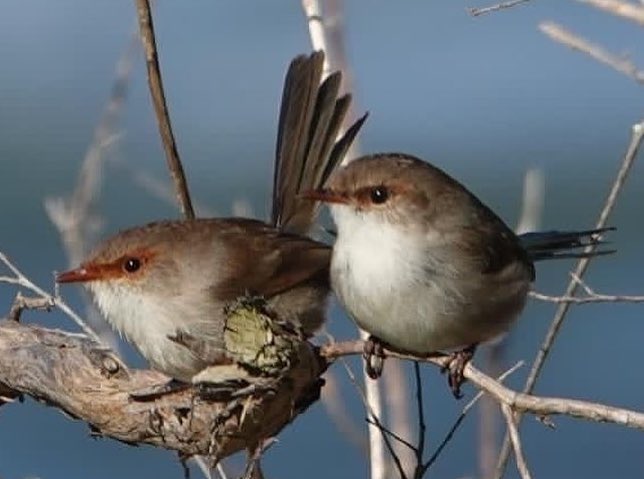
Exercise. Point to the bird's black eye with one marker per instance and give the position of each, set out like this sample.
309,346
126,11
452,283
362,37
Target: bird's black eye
379,194
131,265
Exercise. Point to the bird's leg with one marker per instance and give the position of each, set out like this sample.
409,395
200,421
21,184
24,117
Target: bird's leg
374,357
455,367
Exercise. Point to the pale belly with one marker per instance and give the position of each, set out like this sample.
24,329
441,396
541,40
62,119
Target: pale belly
388,296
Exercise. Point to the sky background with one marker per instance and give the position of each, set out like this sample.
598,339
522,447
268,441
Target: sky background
484,98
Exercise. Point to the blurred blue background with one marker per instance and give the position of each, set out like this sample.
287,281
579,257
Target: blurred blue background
485,98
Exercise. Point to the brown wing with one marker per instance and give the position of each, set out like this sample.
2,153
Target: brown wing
264,261
492,244
311,116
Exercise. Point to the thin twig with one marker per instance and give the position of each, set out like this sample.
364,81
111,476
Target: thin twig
569,39
336,408
637,135
621,9
376,424
522,466
420,468
475,12
20,279
459,420
597,298
146,27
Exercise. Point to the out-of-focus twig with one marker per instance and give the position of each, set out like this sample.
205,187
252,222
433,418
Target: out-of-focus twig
337,411
74,217
475,12
317,31
619,8
532,201
375,423
319,40
637,135
561,35
146,27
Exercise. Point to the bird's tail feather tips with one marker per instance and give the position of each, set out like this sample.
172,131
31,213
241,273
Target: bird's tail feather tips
558,244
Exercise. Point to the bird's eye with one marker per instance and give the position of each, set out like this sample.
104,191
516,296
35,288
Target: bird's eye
379,194
131,265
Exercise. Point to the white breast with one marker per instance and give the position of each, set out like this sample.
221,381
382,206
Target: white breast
401,286
145,323
377,273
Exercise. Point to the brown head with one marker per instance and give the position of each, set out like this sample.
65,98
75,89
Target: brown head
134,256
401,189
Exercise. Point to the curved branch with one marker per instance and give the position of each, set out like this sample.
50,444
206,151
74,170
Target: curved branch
73,373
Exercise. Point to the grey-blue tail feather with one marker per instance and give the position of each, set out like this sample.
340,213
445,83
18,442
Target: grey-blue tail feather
562,244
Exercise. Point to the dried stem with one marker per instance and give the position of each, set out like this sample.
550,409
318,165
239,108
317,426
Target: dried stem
160,107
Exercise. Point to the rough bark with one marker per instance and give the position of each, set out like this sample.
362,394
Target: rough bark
274,377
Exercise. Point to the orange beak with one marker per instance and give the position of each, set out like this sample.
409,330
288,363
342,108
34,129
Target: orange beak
80,274
325,195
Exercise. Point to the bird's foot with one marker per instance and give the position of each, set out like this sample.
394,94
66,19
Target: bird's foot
455,367
374,357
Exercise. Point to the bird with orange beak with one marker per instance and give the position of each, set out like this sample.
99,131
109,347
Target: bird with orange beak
155,282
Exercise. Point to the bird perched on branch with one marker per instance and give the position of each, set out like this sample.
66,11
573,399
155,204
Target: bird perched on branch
423,265
156,282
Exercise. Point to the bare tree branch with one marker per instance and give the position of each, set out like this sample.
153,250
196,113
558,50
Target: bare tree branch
161,108
596,298
517,401
637,135
214,419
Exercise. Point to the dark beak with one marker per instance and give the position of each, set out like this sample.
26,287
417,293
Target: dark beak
324,195
81,274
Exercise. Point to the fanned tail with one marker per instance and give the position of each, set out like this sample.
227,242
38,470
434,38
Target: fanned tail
307,153
561,244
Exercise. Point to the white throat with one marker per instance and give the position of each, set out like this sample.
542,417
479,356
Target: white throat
372,261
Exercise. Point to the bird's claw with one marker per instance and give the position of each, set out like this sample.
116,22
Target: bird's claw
455,367
374,357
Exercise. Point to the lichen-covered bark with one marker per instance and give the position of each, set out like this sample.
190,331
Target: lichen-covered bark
273,377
